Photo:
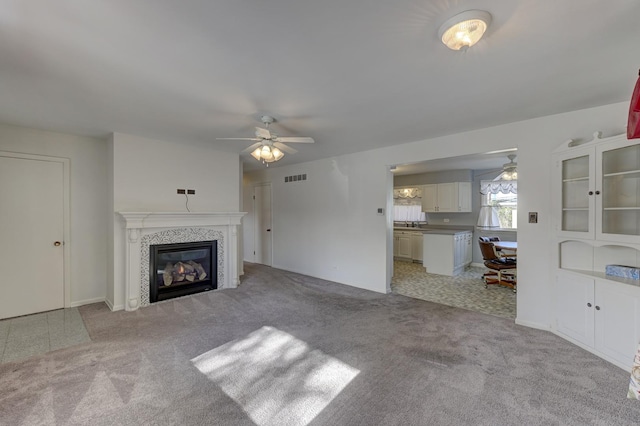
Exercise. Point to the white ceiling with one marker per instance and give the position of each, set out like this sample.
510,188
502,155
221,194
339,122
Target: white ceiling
354,75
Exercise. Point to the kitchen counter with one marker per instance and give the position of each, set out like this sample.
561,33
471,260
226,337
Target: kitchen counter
434,230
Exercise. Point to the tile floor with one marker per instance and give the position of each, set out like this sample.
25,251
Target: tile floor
23,337
462,291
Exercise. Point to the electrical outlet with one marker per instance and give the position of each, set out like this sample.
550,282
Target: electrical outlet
446,221
181,191
191,191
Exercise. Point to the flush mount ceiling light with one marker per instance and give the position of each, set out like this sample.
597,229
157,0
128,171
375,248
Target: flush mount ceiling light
465,29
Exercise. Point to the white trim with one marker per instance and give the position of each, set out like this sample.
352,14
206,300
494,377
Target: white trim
88,302
66,208
535,325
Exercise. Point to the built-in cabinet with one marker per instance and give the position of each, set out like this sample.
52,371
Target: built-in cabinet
600,191
446,197
597,199
600,314
447,254
416,246
402,244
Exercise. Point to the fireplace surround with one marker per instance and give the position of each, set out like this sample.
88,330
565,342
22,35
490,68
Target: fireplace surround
145,229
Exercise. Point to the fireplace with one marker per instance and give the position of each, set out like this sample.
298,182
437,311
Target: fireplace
182,268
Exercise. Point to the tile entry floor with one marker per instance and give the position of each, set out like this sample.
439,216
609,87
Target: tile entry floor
462,291
23,337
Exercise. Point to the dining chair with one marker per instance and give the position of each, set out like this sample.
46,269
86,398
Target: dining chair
502,270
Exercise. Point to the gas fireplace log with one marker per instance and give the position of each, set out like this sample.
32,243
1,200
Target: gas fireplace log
199,269
167,276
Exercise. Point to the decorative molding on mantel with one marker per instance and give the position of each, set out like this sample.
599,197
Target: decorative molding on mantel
143,220
143,228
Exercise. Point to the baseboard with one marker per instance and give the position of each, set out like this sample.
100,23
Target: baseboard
595,352
477,265
538,326
113,307
86,302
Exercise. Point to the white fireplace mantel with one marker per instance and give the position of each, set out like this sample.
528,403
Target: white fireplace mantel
152,224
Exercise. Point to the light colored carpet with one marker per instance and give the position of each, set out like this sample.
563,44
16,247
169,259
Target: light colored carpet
465,290
417,363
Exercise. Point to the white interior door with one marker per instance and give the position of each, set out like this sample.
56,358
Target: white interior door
263,234
31,236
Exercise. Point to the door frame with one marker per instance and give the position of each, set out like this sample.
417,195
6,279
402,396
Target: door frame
255,219
66,208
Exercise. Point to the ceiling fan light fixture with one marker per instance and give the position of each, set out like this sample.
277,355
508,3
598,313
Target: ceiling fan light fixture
256,154
464,29
509,170
267,154
277,154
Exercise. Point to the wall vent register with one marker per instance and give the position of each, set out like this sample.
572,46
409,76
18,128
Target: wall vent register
295,178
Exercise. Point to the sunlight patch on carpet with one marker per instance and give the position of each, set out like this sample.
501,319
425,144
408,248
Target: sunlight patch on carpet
276,378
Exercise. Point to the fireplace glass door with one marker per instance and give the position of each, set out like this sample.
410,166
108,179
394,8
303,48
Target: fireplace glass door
181,269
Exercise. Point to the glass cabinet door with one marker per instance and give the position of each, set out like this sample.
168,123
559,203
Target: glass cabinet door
619,203
577,195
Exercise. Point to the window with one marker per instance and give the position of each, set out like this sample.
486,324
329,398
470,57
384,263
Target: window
499,207
407,205
506,206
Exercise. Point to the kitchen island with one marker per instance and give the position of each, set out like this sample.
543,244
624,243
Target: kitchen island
442,250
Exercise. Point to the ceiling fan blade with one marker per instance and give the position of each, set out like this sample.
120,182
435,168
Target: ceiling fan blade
285,148
263,133
251,148
295,139
238,139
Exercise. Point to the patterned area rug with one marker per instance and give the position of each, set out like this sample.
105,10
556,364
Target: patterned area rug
462,291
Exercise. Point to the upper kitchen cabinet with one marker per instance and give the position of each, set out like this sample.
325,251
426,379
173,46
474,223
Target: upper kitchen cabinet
598,189
446,197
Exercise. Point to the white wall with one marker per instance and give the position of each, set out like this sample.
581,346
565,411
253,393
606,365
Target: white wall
146,174
328,227
88,197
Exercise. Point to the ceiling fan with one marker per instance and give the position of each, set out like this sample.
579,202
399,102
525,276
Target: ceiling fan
510,169
268,146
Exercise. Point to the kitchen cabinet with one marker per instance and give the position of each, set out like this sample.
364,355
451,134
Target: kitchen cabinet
447,253
402,244
416,246
600,314
446,197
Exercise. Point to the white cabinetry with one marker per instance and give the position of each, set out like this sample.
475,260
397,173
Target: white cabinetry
599,196
447,254
599,314
446,197
402,244
416,246
597,200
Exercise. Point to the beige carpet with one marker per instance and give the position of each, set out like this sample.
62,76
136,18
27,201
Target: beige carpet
289,349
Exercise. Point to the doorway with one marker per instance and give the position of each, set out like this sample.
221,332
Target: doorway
262,247
33,223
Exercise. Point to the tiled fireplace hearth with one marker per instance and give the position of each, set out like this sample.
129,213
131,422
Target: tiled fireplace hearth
146,229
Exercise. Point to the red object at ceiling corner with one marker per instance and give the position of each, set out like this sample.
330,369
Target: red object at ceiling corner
633,124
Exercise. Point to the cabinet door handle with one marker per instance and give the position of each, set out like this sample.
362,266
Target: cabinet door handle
597,192
590,192
589,304
597,308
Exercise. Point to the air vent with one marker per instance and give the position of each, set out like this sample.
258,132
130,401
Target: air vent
295,178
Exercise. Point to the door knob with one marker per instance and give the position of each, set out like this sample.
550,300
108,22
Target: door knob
269,230
57,243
